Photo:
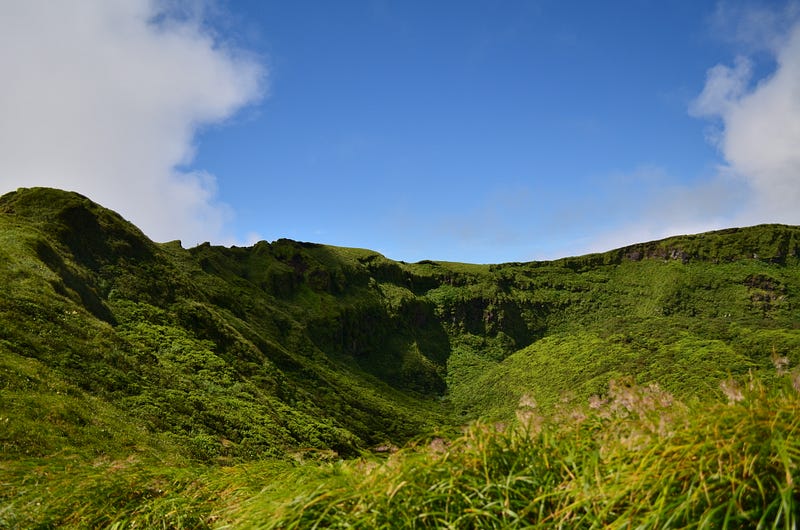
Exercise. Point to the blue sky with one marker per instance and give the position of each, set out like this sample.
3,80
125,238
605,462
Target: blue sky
478,131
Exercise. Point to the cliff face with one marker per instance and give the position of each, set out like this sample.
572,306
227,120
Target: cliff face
244,352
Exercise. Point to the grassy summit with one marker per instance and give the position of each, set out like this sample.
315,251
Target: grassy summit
141,376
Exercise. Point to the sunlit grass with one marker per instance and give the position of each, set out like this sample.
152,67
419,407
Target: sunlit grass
131,493
636,458
639,460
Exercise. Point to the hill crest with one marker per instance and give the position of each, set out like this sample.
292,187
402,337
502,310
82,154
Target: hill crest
772,242
245,352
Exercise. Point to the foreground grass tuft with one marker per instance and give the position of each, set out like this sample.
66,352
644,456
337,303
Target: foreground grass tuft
634,459
637,460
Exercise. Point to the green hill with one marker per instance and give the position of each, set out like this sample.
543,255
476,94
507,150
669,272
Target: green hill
114,348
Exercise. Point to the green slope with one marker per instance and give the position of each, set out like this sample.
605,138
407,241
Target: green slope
149,385
216,351
683,325
226,354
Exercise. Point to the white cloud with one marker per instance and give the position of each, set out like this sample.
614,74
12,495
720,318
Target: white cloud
755,124
759,129
104,97
724,87
754,121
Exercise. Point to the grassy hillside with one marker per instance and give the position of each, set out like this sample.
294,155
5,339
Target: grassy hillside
191,374
217,351
683,325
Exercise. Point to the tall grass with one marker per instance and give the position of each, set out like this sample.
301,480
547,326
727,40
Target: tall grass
637,460
634,459
130,493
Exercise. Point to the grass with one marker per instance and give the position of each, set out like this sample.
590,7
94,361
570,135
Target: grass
639,460
636,458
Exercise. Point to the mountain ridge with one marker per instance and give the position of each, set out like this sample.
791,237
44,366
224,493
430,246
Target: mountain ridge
233,353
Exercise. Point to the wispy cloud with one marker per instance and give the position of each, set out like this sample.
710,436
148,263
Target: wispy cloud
753,121
644,204
757,124
105,97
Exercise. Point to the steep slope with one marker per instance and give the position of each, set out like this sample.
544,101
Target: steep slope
123,345
684,312
178,344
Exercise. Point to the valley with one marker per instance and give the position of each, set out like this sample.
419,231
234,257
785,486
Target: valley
152,382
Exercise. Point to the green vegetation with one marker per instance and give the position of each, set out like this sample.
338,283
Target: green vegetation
147,384
638,459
